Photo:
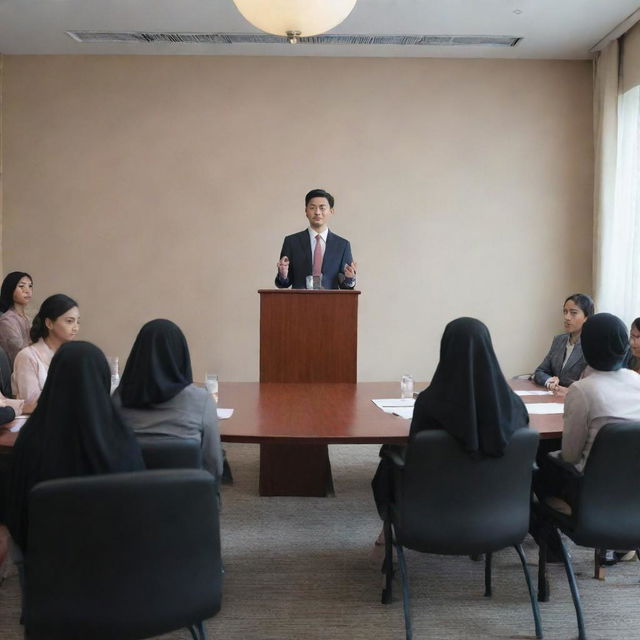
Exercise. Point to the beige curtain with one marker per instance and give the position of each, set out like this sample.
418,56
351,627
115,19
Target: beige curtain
617,177
605,136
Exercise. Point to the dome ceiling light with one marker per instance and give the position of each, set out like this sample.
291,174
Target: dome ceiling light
295,18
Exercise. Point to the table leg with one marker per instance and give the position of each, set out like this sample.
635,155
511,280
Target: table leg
292,469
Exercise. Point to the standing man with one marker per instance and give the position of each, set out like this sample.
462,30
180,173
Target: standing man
316,251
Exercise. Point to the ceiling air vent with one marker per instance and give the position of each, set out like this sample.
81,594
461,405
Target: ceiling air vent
265,38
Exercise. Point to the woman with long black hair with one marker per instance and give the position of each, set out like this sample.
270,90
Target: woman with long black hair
15,324
56,323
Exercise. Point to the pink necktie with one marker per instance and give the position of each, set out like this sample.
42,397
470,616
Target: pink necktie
317,257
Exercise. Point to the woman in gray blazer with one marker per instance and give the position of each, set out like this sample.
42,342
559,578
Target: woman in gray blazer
564,363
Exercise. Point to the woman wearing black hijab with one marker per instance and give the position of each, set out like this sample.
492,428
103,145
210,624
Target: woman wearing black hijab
157,395
468,397
75,430
607,393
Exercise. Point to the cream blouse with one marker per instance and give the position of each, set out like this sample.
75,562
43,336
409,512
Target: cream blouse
30,370
14,333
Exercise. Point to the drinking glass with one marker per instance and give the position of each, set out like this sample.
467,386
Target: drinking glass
406,386
114,364
211,383
314,282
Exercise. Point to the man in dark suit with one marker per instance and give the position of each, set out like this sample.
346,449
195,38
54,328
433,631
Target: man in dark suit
316,251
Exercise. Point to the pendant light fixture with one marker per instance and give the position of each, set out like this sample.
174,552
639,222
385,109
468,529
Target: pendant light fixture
295,18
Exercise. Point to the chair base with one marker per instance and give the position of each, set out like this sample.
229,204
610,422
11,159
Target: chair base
543,583
387,570
197,631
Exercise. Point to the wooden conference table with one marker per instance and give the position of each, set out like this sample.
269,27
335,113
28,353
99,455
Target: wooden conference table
291,420
283,416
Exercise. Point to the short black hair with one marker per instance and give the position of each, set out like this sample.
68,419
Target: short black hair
584,302
636,324
319,193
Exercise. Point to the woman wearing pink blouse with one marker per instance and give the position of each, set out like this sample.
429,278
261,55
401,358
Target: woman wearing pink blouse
57,322
15,295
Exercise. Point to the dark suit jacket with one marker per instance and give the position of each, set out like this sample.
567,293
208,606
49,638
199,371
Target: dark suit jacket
552,363
297,248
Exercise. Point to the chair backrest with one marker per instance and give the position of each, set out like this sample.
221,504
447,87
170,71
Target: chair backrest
161,452
128,555
451,503
5,374
607,510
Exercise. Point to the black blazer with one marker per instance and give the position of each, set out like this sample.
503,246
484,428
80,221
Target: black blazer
297,248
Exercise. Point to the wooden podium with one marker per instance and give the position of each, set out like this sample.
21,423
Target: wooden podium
305,336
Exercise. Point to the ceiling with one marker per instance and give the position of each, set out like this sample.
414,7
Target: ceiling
555,29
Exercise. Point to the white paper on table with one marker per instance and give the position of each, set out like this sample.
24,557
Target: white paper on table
386,403
520,392
223,414
543,408
403,412
18,423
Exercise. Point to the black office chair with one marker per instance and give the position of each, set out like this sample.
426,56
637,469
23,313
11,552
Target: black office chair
606,510
160,452
448,503
122,556
5,374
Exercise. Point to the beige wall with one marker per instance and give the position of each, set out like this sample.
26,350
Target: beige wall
163,186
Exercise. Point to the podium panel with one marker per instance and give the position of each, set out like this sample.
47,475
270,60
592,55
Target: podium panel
308,336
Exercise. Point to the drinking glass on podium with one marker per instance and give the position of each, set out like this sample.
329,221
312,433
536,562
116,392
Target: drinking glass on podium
211,384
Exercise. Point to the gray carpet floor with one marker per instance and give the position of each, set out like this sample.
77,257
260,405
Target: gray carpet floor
307,568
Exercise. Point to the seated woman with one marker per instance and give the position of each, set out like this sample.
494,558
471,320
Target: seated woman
564,363
57,322
633,360
607,393
157,396
15,295
74,431
468,397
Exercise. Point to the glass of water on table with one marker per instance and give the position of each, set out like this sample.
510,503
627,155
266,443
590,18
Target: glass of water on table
406,386
211,384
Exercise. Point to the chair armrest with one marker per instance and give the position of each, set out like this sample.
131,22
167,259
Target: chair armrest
568,467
